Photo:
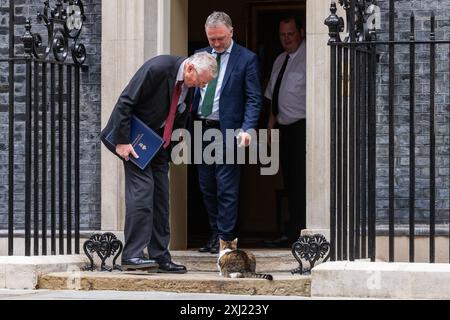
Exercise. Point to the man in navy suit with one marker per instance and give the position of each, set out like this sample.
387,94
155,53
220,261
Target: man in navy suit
231,101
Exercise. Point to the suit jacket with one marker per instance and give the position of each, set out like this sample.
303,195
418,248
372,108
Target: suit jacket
148,96
241,98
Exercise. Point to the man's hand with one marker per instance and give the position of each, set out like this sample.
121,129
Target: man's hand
244,139
124,151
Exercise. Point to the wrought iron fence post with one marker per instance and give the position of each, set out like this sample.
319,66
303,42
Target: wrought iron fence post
345,201
28,40
64,23
11,124
335,24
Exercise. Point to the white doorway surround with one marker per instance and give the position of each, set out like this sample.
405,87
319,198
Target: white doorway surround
134,31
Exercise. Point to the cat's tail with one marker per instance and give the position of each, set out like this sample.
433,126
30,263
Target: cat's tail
261,276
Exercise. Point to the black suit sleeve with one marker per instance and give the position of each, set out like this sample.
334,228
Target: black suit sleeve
129,99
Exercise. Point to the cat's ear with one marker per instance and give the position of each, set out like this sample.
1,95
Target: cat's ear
235,241
222,244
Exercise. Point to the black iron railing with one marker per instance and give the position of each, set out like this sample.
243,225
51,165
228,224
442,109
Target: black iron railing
354,122
51,117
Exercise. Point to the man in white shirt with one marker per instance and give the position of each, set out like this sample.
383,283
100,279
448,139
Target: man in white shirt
287,92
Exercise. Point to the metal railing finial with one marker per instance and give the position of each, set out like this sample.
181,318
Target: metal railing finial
335,24
28,39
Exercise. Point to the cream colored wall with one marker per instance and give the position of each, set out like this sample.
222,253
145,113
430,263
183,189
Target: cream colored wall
19,246
179,25
318,117
421,249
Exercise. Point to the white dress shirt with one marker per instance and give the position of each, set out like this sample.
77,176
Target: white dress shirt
292,95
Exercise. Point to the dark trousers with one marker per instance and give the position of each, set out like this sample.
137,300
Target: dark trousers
293,164
147,209
219,184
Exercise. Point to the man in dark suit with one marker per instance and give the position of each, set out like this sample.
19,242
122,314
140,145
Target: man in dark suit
159,95
231,101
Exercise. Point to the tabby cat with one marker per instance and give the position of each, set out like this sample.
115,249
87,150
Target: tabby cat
235,263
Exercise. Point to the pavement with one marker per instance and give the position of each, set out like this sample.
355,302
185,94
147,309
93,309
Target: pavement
6,294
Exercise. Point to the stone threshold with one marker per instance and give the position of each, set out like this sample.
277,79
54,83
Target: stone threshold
284,284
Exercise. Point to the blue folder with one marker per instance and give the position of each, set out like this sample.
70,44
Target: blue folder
144,140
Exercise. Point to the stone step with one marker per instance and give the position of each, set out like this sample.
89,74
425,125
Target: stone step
267,260
284,284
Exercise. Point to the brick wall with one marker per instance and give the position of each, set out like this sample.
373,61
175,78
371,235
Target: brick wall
422,10
89,111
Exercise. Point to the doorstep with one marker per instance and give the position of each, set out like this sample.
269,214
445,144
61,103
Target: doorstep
284,284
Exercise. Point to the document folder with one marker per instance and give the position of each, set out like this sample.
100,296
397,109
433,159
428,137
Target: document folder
144,140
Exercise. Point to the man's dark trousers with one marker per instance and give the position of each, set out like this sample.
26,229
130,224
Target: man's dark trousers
219,184
147,209
293,164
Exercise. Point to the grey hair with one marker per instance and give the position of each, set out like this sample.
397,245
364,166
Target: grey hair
204,61
218,18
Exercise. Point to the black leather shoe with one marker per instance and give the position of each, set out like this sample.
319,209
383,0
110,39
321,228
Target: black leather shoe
212,242
281,242
170,267
215,247
138,264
